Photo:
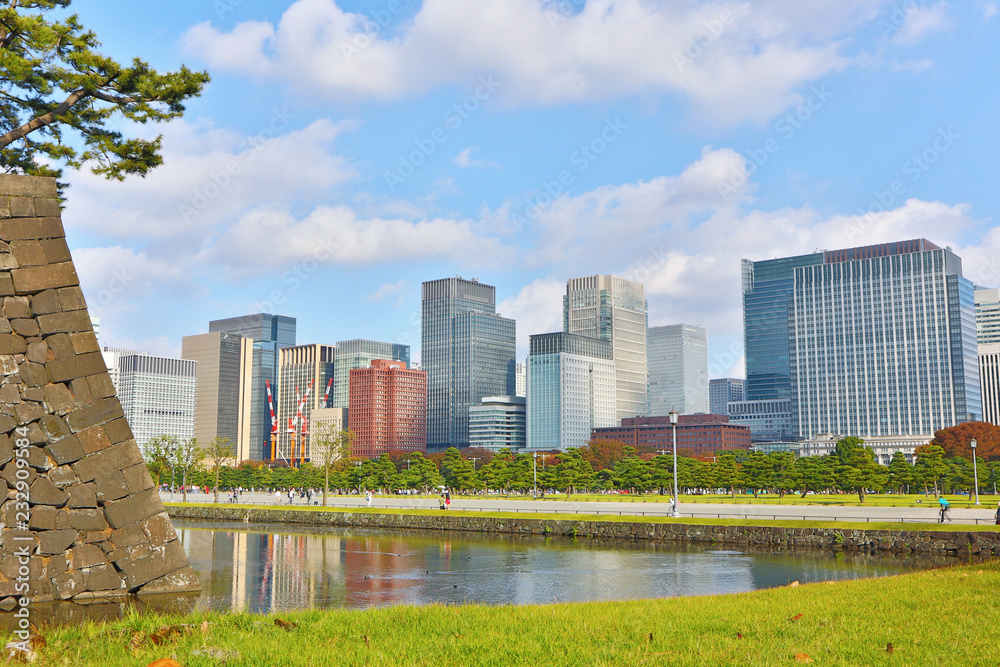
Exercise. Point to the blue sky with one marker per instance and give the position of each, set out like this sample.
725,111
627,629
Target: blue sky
347,151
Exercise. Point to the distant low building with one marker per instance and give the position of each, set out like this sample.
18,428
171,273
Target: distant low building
499,422
699,434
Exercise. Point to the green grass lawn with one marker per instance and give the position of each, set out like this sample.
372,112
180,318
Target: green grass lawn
938,617
988,502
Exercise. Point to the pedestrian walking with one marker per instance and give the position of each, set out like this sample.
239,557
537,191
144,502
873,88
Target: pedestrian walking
368,498
277,497
944,509
447,500
291,496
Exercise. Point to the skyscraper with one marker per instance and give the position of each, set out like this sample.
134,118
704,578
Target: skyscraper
388,409
157,395
987,316
224,385
613,309
353,354
988,336
722,391
468,353
269,334
678,369
571,389
304,371
870,341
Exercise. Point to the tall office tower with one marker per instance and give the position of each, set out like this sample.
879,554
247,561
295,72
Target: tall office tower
157,395
499,422
304,371
468,352
678,369
353,354
989,378
723,391
613,309
224,387
572,389
388,409
521,379
987,316
112,359
269,334
880,340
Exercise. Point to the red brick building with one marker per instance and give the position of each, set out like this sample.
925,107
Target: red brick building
698,434
387,409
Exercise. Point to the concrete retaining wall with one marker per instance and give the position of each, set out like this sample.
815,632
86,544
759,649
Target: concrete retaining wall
898,541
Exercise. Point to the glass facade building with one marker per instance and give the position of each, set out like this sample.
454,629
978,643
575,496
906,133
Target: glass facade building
353,354
678,369
613,309
269,333
499,422
304,372
722,391
571,389
987,316
468,352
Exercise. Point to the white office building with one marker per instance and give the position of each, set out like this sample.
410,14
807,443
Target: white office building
678,369
157,395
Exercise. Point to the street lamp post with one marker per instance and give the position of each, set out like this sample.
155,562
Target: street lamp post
534,473
173,466
975,473
673,424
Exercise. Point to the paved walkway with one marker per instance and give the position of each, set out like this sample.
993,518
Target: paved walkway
713,510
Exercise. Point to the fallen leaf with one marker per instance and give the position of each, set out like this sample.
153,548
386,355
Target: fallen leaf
794,584
802,657
170,632
739,635
286,625
204,627
164,662
796,617
456,635
650,637
367,642
888,648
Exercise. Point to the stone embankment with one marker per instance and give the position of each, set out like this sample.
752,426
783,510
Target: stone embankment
958,542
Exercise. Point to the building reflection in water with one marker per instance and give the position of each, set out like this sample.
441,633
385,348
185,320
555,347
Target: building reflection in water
260,569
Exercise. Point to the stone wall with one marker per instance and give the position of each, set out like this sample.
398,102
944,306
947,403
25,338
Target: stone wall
80,517
898,541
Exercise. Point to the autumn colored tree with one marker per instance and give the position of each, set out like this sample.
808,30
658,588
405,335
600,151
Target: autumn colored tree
955,440
604,454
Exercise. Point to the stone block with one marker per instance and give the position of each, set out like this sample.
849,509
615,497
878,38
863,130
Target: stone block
4,207
16,306
22,207
28,186
7,262
65,321
26,327
6,450
37,278
104,578
71,298
38,353
75,367
58,398
10,471
84,342
116,457
55,541
99,412
36,458
137,478
46,302
12,344
44,492
129,536
87,519
26,412
62,476
43,518
66,450
118,430
28,253
6,283
101,386
82,496
94,439
33,375
134,508
87,555
57,565
111,487
46,206
62,520
159,528
12,539
158,564
97,536
182,580
56,250
81,390
68,584
7,423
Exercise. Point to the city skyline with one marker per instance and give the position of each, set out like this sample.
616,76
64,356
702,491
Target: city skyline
719,131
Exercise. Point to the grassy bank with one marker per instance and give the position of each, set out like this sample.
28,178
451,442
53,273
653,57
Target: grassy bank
697,521
946,617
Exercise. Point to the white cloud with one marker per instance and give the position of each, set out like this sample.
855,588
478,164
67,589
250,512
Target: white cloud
465,160
732,59
390,289
115,278
921,22
989,11
537,309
